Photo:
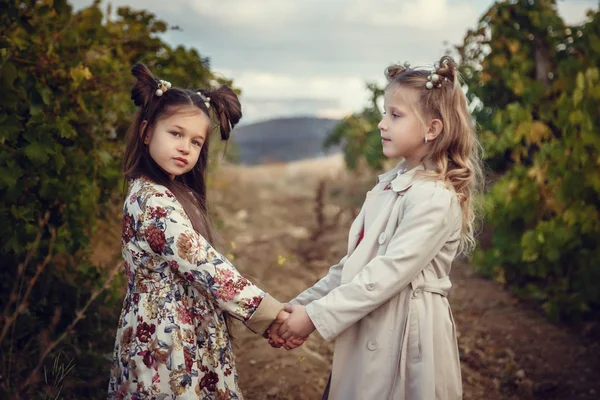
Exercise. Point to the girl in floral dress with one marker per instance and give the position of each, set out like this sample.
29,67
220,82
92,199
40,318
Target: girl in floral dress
172,339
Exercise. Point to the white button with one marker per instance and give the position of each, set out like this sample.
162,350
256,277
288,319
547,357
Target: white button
417,293
372,345
382,238
370,286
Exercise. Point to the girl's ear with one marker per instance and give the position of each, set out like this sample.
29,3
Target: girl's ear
142,130
434,129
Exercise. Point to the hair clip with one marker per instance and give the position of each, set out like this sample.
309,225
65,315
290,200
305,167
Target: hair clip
433,80
206,99
162,87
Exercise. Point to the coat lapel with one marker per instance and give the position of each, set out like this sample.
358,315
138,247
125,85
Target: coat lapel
403,181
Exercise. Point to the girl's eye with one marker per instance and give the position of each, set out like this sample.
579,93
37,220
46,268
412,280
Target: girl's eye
175,133
196,143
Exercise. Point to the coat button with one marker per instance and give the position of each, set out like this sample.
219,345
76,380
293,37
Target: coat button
370,286
417,293
372,345
382,238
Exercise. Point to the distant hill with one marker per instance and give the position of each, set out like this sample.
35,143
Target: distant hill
283,140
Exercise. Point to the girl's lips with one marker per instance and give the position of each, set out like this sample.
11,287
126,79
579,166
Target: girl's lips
181,161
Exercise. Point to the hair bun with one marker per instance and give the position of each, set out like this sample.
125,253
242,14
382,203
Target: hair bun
227,108
144,88
447,68
394,70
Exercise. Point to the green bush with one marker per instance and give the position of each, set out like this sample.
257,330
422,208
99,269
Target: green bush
538,84
64,109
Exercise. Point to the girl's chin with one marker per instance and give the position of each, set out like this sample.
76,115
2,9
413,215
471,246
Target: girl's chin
172,174
389,153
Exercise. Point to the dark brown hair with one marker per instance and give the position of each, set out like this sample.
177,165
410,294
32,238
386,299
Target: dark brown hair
189,188
456,152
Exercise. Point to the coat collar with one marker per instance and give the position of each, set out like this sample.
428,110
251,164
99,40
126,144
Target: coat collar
401,179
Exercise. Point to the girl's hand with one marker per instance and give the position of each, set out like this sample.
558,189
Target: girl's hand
298,325
272,334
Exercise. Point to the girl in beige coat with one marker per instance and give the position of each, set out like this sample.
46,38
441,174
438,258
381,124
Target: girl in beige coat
385,303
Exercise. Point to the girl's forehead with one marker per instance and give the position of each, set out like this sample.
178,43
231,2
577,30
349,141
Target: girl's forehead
183,111
399,95
185,114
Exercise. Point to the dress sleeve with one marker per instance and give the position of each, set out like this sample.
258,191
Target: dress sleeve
167,235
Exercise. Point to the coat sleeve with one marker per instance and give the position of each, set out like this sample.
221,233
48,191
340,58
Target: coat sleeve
426,225
167,236
323,286
334,276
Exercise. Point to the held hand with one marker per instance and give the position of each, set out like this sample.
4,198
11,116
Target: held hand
272,333
298,325
293,342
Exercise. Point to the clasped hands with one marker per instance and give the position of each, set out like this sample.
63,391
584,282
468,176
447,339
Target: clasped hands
291,327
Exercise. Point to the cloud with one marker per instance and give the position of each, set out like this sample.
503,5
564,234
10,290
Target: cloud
430,14
315,49
356,37
266,94
239,13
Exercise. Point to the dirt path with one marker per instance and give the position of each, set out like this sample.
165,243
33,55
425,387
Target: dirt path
284,228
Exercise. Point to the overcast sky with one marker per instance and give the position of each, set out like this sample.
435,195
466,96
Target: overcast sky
313,57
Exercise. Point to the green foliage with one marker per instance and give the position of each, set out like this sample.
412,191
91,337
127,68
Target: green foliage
539,87
64,109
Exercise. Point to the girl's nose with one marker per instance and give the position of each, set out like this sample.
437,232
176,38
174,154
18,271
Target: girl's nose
184,147
381,126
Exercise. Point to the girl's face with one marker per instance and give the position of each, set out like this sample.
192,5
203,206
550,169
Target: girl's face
402,132
175,142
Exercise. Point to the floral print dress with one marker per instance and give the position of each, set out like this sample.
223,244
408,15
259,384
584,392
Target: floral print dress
172,340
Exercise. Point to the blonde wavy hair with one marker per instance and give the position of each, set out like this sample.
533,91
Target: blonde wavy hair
456,152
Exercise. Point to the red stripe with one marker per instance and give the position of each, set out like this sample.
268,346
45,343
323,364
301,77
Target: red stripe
362,235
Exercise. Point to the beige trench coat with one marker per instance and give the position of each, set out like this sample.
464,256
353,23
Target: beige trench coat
385,302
